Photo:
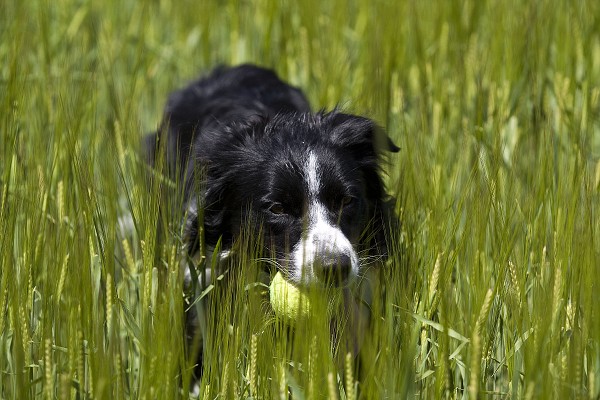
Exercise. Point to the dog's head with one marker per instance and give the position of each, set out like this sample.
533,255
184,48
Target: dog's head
309,185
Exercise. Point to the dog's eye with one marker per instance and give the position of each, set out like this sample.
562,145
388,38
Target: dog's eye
277,209
347,200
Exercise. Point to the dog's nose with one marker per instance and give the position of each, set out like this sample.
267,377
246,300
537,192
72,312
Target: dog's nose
333,269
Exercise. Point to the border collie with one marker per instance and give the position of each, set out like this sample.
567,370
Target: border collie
309,182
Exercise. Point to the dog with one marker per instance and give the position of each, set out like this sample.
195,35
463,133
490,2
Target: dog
250,152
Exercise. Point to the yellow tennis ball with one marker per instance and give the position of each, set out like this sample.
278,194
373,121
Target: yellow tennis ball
287,300
292,303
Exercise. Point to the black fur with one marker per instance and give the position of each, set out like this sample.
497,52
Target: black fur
238,140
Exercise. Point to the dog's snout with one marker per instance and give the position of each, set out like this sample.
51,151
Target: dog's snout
333,269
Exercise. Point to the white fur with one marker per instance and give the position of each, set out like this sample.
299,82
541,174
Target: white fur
321,235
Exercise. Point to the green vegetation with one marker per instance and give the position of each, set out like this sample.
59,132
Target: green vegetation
495,105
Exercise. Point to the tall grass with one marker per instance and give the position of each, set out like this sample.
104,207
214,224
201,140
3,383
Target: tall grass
493,294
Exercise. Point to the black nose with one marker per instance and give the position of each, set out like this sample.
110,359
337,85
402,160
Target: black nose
333,270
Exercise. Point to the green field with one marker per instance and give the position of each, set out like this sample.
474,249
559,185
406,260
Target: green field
495,104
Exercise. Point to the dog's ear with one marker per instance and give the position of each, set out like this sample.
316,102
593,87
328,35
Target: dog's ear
211,175
366,140
359,133
205,225
216,215
245,126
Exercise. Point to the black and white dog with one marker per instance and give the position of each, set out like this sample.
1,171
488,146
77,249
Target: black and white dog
310,182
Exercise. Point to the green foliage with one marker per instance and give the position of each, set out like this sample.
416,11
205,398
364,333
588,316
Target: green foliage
495,105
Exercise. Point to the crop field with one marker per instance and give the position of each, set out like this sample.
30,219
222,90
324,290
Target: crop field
492,290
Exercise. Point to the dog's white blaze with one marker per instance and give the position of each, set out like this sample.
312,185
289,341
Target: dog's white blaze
321,236
312,176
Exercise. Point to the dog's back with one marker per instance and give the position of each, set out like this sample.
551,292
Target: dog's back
226,95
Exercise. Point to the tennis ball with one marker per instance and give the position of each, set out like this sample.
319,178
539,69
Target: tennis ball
287,300
292,303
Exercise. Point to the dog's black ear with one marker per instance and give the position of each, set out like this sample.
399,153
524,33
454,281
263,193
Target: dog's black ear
216,217
211,176
366,140
245,126
359,132
205,226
